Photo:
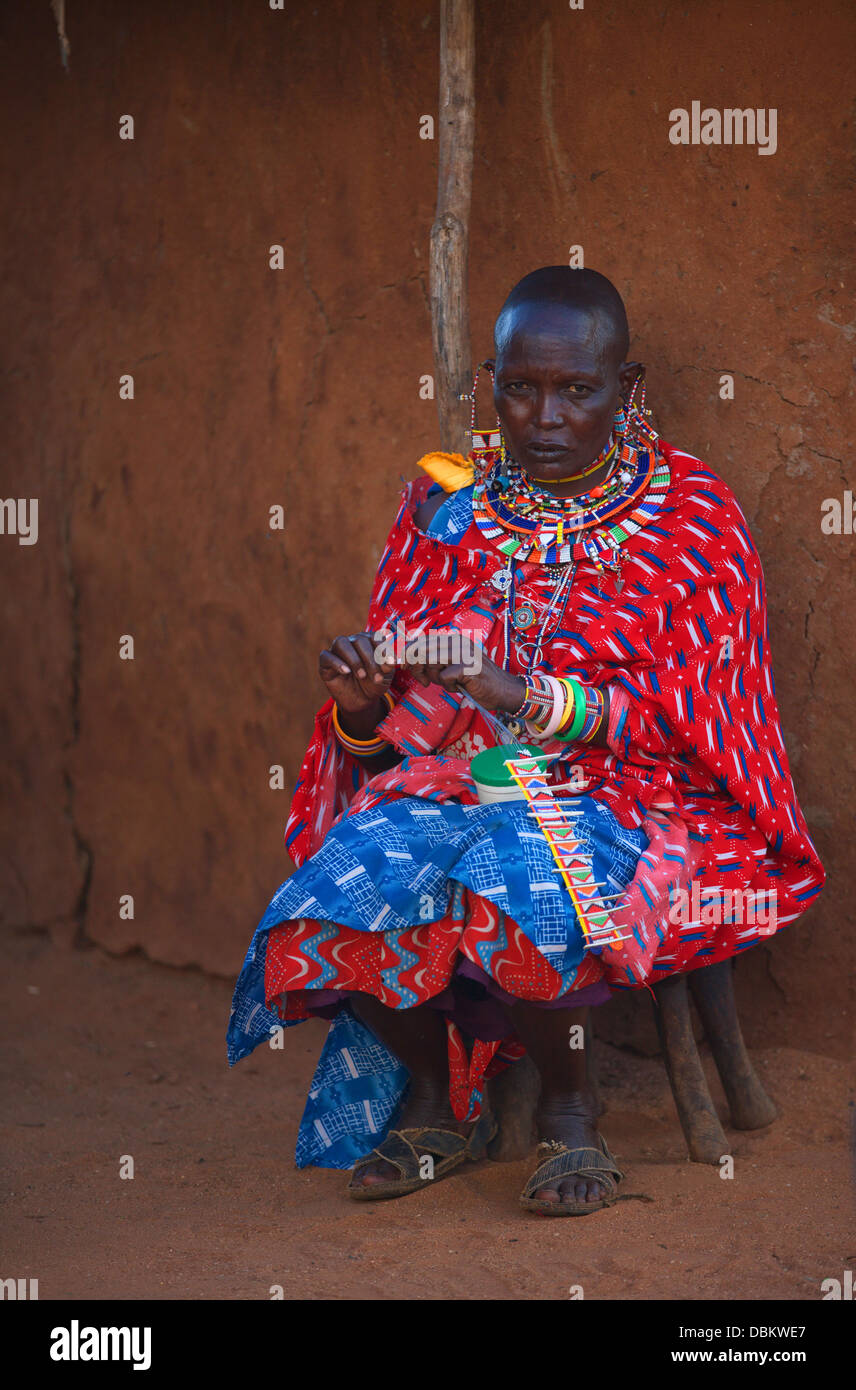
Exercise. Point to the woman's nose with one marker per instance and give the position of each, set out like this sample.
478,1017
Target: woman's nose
548,409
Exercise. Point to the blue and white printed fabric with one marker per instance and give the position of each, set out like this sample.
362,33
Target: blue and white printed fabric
384,869
453,517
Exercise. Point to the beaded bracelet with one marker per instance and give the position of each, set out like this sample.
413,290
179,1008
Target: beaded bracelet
595,710
539,729
583,708
359,747
549,705
537,700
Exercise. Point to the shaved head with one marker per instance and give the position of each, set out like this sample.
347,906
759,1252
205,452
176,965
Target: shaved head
558,287
560,372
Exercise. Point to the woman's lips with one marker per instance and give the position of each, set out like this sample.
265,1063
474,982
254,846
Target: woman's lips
548,451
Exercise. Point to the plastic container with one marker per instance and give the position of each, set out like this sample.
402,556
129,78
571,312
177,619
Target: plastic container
493,779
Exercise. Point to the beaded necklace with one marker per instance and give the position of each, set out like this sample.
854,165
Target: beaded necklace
522,619
521,496
527,523
609,456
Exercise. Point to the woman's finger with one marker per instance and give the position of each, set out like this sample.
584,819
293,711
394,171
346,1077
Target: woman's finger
332,668
450,677
383,652
365,646
351,660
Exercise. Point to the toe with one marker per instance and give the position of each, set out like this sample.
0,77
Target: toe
548,1194
582,1191
371,1176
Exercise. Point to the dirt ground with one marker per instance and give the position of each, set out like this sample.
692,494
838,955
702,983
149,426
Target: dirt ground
111,1057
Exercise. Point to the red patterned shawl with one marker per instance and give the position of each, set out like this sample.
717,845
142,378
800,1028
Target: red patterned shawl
701,759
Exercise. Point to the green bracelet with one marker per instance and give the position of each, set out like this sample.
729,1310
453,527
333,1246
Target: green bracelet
579,711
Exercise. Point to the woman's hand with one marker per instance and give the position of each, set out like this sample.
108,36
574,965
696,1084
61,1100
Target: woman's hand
480,677
356,682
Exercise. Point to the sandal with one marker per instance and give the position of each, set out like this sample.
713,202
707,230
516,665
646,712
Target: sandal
404,1148
558,1161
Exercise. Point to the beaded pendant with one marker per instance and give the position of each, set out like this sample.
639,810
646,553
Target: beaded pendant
523,617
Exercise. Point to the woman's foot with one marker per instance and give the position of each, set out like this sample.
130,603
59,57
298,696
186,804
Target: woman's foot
570,1119
425,1107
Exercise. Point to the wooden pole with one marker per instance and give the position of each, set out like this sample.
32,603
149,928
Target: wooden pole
703,1132
450,318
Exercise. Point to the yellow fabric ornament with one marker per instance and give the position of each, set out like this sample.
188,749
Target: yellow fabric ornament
451,471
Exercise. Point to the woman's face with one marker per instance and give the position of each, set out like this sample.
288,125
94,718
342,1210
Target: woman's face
557,387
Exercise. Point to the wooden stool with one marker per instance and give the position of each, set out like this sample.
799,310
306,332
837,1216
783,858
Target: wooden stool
514,1094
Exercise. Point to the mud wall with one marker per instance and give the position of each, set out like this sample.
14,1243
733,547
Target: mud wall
256,387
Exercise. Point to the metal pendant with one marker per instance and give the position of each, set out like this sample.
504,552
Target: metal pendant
502,580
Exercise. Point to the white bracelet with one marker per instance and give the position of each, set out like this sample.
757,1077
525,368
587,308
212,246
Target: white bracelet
559,700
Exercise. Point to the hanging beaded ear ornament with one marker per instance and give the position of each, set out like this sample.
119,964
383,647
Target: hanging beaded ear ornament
637,415
488,446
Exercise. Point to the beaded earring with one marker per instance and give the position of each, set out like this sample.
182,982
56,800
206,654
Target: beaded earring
488,446
637,416
502,473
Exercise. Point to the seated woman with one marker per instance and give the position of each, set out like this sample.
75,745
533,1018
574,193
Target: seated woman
617,605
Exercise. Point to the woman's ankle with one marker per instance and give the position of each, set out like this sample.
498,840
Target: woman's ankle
569,1104
429,1097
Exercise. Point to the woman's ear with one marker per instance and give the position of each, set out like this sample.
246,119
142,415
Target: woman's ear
628,373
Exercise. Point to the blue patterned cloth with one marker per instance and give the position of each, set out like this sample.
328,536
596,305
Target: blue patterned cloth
383,870
452,518
355,1097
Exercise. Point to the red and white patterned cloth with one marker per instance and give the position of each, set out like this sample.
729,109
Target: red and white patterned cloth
701,764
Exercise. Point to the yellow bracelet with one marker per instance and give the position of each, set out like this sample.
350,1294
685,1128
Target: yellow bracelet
362,742
570,706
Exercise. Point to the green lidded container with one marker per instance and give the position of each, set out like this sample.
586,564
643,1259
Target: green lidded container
491,774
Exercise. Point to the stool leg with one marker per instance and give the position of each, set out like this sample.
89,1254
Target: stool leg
513,1096
713,991
704,1134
